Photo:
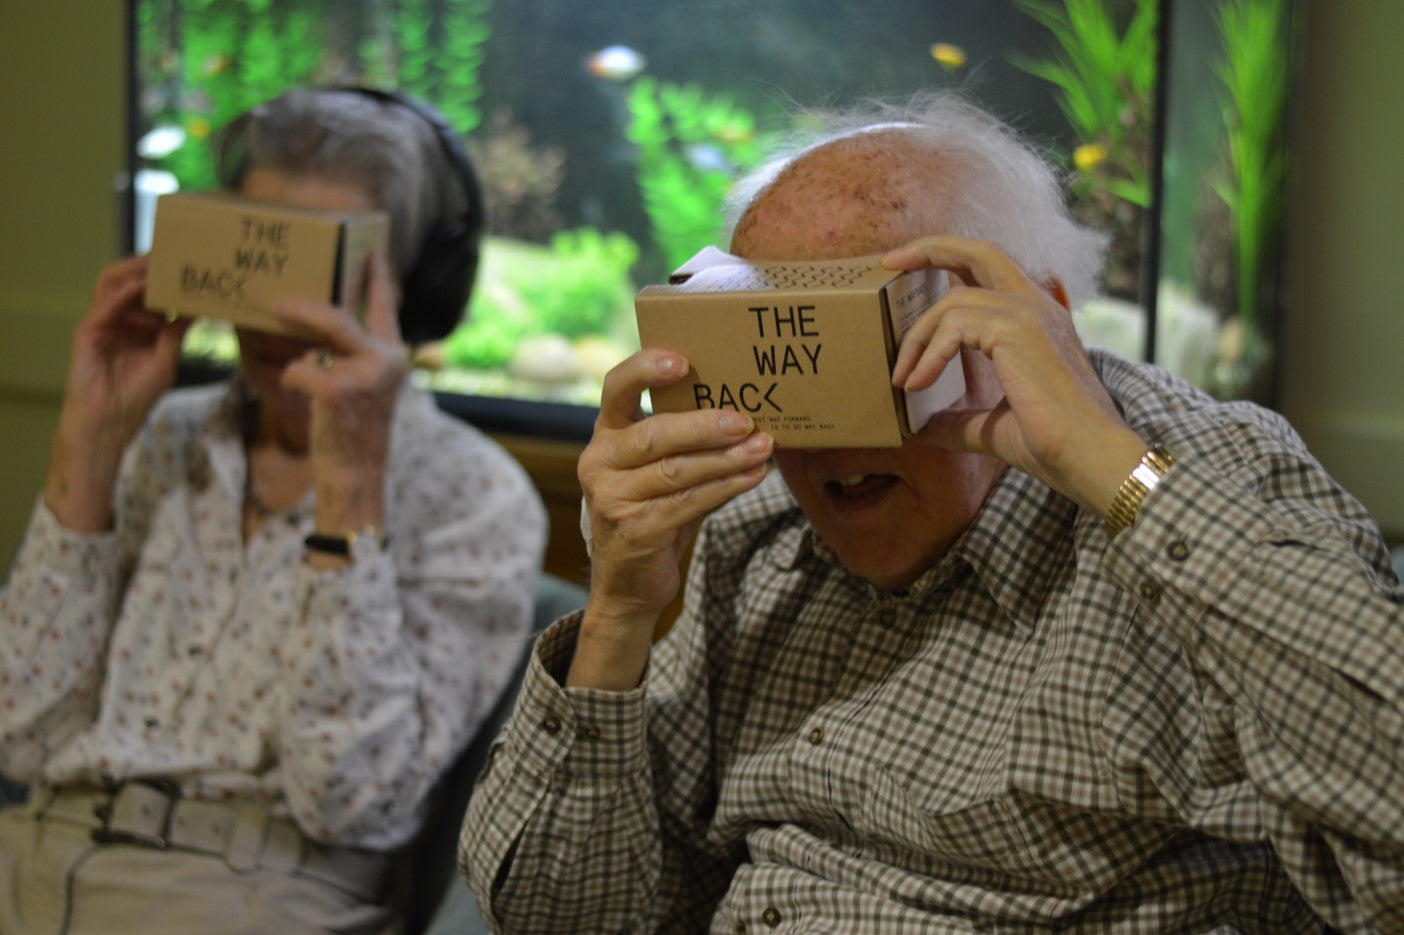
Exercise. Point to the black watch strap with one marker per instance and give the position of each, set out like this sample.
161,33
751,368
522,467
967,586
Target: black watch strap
342,544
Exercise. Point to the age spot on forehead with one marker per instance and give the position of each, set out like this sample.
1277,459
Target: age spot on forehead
852,196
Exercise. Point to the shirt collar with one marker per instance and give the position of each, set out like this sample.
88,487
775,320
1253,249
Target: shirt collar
1020,545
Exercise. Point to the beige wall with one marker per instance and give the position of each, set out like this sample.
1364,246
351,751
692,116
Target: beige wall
1343,377
62,64
61,110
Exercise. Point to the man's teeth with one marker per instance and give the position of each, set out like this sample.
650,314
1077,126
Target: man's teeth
852,480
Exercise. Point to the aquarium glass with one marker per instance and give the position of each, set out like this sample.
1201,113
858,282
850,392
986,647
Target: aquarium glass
1222,236
606,135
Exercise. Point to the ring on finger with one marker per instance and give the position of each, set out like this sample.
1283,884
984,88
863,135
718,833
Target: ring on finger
324,360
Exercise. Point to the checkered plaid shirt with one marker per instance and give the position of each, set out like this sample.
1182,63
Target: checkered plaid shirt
1197,727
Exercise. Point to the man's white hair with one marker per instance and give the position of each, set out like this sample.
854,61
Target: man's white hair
1003,189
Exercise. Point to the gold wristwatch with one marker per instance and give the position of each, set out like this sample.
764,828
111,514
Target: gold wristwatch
1144,478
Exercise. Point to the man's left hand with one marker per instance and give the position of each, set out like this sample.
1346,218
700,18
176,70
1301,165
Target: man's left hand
1055,419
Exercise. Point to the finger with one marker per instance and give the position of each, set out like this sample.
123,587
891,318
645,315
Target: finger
671,434
713,459
979,261
962,317
649,522
169,339
625,383
113,301
382,314
122,271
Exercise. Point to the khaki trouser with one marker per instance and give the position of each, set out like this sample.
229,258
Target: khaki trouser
135,860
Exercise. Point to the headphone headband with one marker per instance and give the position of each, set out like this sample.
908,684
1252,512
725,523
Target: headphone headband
436,287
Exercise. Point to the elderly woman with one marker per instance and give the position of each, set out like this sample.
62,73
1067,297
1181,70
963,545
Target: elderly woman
251,624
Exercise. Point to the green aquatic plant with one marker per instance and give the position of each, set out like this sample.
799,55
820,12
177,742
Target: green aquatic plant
1105,81
1253,73
691,147
213,60
438,55
578,286
208,60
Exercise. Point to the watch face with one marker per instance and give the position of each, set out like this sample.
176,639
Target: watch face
366,544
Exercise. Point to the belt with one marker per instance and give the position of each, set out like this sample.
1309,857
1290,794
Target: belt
152,814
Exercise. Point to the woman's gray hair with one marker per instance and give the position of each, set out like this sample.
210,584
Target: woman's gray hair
1003,189
370,142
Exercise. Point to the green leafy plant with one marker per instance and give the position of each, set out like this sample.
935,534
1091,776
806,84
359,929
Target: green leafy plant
212,59
1105,81
1253,73
576,287
440,55
691,147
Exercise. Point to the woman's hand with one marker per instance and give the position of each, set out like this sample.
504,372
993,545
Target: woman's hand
1055,419
353,383
647,483
122,359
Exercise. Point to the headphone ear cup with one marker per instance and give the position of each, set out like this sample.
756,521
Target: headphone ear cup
435,290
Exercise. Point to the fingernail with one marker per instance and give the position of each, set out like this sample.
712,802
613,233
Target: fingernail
734,423
756,444
671,366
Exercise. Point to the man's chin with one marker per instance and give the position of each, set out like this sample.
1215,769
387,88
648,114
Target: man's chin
882,571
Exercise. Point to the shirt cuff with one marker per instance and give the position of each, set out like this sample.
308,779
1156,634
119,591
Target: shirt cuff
585,732
1191,537
51,545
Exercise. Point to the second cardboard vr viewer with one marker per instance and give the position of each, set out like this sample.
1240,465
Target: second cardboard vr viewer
804,348
218,255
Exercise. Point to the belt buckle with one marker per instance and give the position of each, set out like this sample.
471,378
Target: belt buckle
106,834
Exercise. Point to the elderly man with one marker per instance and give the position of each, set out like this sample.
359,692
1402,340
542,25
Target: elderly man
1091,651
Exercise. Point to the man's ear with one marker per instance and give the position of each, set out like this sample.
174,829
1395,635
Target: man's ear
1054,287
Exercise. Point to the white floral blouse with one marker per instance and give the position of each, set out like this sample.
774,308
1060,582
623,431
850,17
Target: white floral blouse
169,647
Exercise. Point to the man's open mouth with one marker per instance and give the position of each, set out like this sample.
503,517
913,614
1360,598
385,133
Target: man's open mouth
857,488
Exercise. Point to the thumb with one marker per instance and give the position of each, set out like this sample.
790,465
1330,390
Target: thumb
382,300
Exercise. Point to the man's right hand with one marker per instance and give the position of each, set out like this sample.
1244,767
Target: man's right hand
648,482
122,359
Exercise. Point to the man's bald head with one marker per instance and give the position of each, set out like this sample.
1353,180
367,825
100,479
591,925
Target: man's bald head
938,166
865,192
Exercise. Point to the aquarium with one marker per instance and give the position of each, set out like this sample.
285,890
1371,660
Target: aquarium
607,134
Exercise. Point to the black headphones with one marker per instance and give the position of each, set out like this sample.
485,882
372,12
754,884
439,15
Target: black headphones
436,287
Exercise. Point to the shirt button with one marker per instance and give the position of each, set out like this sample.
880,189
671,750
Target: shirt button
1150,592
816,736
1178,550
771,916
884,617
551,724
592,731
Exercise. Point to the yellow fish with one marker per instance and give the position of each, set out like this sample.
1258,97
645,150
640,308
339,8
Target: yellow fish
951,57
1088,156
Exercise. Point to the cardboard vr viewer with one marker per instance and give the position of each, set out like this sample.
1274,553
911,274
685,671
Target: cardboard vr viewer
804,348
218,255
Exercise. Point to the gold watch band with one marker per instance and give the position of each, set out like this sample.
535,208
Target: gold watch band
1155,464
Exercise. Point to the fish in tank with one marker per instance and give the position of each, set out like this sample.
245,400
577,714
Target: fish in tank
607,135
